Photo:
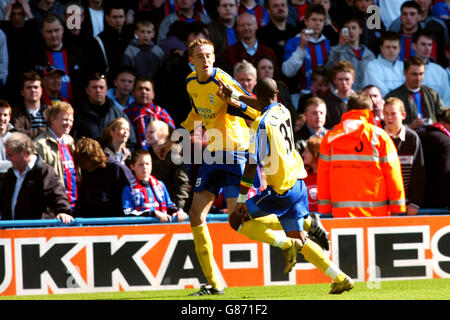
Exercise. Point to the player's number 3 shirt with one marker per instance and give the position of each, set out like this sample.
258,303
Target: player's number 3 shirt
272,147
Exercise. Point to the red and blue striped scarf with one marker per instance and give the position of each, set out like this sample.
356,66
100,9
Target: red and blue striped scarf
151,203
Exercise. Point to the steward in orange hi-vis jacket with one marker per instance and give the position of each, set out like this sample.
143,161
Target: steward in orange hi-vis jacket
359,172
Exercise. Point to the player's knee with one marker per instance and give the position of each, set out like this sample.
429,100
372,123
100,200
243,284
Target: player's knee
196,219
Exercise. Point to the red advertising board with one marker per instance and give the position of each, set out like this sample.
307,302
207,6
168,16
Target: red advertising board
162,256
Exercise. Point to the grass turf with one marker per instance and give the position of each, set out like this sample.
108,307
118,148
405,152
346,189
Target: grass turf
429,289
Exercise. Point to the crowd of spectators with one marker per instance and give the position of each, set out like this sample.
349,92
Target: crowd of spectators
89,89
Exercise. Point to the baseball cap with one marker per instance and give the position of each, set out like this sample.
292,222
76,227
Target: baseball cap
50,69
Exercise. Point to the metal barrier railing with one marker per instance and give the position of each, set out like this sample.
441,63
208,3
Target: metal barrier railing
77,222
96,221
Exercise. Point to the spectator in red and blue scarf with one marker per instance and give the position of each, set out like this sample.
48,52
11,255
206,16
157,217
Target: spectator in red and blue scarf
56,146
148,195
144,109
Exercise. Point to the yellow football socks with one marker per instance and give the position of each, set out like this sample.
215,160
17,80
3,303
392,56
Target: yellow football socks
255,230
307,224
271,221
204,250
313,253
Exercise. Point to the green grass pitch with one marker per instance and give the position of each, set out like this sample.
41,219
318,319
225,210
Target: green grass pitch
430,289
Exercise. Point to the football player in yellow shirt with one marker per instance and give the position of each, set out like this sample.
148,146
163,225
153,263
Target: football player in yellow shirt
223,165
272,148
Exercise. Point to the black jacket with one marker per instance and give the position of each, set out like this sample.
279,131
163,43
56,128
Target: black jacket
336,107
42,195
37,60
436,152
91,120
100,191
114,44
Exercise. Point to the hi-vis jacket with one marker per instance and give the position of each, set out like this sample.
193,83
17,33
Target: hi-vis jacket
359,173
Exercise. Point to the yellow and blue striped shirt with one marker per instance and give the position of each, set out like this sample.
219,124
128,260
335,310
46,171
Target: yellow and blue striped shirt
272,148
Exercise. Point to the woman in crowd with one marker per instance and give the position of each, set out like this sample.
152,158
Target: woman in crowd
103,179
114,140
265,69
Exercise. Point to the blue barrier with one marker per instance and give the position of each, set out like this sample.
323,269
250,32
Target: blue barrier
97,221
216,217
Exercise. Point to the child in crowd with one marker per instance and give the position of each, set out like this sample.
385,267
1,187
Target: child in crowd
145,56
410,153
148,195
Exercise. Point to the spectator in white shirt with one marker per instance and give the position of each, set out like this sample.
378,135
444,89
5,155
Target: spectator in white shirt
435,76
386,71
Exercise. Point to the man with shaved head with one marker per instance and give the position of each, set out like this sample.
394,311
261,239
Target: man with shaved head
272,148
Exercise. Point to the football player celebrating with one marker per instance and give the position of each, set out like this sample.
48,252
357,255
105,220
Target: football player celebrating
224,158
272,148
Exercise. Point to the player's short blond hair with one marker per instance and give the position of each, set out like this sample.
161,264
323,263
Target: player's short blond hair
198,43
395,102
